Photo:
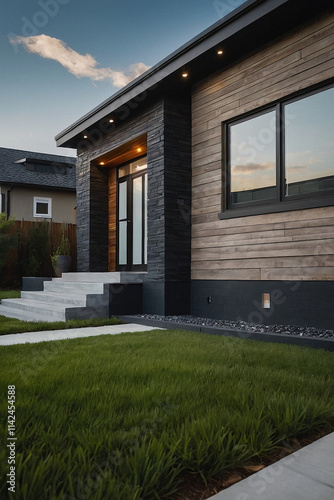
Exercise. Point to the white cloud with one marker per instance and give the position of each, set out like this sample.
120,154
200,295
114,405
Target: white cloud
250,168
82,66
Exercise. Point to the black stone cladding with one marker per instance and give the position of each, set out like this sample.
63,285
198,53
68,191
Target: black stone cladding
167,126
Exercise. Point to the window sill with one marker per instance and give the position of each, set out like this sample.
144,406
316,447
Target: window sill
272,208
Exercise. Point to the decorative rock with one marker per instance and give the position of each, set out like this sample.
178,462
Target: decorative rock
294,330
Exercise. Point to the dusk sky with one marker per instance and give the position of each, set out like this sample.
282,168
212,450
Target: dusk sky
61,58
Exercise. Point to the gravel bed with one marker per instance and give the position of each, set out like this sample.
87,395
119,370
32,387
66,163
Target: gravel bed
297,331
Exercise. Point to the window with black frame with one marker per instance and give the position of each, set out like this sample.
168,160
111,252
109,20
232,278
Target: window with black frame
282,153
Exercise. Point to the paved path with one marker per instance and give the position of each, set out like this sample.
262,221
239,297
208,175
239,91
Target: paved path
33,337
307,474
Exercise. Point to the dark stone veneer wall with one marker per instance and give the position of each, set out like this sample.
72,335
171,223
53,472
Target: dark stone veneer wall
167,123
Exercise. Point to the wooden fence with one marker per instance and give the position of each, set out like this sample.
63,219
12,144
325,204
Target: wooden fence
36,242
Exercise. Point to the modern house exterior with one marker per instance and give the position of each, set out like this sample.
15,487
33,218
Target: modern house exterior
37,186
212,174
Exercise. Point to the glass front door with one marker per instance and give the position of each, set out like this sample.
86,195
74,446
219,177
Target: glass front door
132,217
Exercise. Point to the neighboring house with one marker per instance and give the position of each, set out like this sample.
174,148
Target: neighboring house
213,172
35,186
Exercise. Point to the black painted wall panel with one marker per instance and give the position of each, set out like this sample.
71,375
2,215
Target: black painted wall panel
303,303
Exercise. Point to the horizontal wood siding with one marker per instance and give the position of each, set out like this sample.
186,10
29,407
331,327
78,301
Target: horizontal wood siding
296,245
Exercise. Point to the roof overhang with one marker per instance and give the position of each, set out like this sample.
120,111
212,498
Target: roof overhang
244,30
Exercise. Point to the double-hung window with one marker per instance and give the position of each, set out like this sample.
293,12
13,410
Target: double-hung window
281,157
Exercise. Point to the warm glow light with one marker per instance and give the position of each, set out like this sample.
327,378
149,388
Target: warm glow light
111,120
139,150
184,75
220,52
85,136
101,162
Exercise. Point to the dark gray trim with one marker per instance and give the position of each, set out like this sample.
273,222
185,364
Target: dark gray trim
272,208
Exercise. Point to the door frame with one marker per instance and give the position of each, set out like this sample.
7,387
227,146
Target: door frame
130,267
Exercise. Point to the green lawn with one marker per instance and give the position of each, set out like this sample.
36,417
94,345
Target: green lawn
125,417
10,325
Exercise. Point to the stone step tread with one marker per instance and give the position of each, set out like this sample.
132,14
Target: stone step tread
24,315
74,285
79,298
31,303
112,277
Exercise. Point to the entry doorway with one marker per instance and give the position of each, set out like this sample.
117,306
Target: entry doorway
132,216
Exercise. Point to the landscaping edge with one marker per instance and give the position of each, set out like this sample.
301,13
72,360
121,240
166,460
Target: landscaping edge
279,338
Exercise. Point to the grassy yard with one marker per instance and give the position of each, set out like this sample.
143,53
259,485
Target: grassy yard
126,417
11,325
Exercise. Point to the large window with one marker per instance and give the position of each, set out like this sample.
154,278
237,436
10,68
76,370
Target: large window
282,156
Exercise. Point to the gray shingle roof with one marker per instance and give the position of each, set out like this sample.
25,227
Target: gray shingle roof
17,173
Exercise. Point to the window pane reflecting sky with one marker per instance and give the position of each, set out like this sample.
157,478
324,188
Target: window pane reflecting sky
309,137
253,153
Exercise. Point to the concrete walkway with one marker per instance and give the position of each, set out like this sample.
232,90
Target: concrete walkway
307,474
34,337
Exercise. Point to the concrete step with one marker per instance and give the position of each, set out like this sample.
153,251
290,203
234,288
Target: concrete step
28,310
10,312
48,312
78,299
114,277
60,286
74,296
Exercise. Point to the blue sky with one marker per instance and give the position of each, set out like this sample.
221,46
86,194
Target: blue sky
61,58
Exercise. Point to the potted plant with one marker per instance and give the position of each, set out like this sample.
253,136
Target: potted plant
61,258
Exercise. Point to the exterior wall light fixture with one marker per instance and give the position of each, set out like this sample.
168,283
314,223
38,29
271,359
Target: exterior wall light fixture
266,300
